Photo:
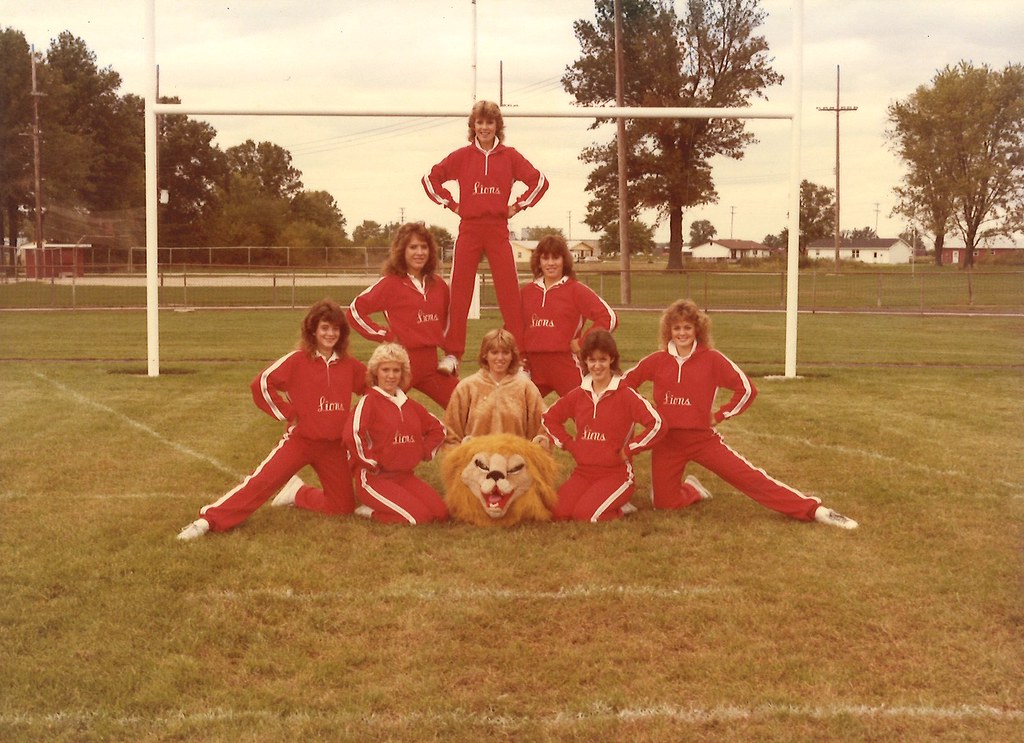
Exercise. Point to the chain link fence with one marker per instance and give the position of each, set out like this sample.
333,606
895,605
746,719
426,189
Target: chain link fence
283,277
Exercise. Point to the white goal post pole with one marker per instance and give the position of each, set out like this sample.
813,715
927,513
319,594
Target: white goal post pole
793,246
152,235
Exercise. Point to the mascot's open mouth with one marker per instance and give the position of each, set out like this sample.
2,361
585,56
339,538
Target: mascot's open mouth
496,481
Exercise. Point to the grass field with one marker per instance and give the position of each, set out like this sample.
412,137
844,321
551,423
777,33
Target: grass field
725,622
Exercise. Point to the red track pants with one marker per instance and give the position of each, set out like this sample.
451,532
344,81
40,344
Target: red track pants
400,498
595,493
427,379
475,240
706,447
291,454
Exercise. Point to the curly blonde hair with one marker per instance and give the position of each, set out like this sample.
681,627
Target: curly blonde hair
384,353
684,310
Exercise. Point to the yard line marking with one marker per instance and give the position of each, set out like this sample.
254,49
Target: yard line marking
851,451
598,712
427,594
180,448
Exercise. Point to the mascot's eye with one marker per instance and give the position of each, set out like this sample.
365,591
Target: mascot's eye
482,465
516,468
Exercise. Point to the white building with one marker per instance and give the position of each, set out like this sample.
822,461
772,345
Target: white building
883,250
730,250
580,249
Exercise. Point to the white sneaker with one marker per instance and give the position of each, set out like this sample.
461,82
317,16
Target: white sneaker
628,509
365,511
196,529
286,495
833,518
448,365
694,483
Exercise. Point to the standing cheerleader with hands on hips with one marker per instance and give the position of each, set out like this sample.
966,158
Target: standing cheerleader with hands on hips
687,372
414,301
388,435
555,308
310,390
486,171
605,413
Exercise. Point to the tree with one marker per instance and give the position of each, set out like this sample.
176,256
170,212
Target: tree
319,208
538,233
16,174
443,238
94,139
962,139
192,169
269,164
817,220
371,234
640,236
701,231
709,57
858,233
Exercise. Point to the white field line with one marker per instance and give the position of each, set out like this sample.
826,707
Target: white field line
850,451
446,595
561,720
180,448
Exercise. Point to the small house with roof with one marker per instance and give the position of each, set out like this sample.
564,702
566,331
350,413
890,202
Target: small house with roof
729,250
881,250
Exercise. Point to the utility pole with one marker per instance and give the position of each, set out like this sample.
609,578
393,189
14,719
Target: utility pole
876,218
838,109
36,158
569,236
732,218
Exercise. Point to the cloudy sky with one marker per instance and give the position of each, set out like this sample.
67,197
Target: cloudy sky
417,55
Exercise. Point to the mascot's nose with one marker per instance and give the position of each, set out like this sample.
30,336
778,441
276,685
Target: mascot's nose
495,475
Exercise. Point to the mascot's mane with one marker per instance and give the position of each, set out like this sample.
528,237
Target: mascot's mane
535,504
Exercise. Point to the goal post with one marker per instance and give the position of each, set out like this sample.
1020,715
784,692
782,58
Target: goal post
153,108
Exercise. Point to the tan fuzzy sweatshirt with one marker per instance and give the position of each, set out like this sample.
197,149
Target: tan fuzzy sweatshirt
480,406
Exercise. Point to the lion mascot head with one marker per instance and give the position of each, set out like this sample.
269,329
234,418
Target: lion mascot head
499,480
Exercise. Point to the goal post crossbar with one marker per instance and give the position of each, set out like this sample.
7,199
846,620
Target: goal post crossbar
793,114
587,112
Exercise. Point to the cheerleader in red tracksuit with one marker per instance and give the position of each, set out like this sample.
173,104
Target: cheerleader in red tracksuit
555,309
388,435
414,300
686,376
486,171
605,412
310,390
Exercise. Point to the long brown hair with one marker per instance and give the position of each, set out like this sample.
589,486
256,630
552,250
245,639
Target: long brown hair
395,264
325,310
552,245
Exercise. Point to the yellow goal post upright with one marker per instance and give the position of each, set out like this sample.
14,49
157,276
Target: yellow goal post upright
153,109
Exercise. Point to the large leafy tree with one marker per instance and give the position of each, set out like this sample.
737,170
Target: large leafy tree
640,236
270,165
707,57
701,231
190,167
817,217
94,143
962,140
15,125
